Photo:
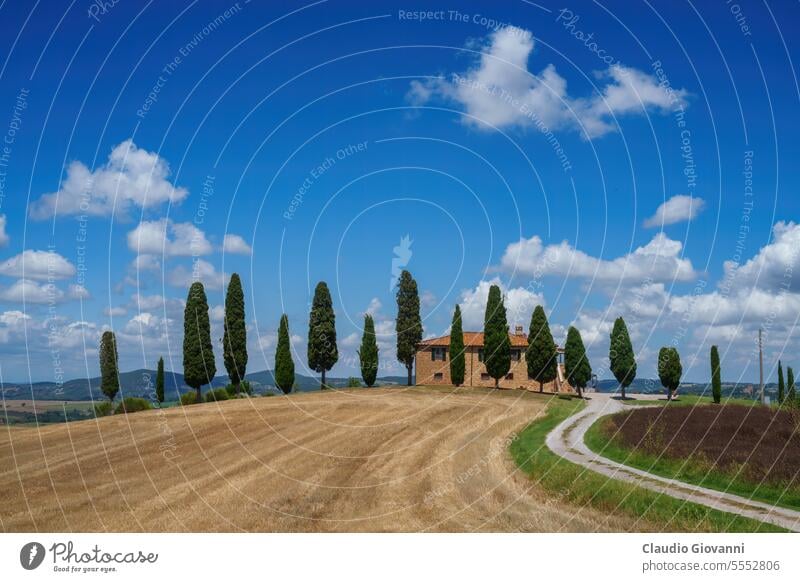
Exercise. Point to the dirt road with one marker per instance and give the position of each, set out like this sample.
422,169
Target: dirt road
362,460
566,440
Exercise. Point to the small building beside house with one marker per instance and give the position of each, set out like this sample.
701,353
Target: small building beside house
433,364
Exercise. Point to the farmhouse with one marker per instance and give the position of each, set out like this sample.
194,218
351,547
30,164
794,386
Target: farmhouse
433,364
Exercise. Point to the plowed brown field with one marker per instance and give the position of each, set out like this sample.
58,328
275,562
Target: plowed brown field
362,460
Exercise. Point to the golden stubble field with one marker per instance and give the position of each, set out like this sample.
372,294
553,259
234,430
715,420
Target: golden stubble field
393,459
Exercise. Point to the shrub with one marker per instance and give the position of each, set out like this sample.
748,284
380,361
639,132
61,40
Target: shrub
217,395
189,398
103,408
132,404
353,382
244,389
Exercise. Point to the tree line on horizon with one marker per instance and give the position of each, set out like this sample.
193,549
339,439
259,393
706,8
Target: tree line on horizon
199,367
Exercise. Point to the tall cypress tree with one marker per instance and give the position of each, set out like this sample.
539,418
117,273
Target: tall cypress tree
496,343
457,362
669,370
577,369
781,385
368,353
109,372
160,381
716,381
284,365
199,367
322,350
542,354
409,322
234,339
620,355
791,393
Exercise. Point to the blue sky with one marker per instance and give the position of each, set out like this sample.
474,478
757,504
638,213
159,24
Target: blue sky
602,159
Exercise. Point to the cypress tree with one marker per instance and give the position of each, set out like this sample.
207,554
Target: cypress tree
457,363
322,350
368,353
160,381
716,382
781,385
496,343
791,393
669,370
577,369
234,339
199,367
542,354
621,358
109,373
409,323
284,365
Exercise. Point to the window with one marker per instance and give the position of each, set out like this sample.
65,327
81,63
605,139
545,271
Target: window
480,355
485,376
438,354
438,376
510,376
515,355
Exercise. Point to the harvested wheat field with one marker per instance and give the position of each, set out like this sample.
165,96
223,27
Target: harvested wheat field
394,459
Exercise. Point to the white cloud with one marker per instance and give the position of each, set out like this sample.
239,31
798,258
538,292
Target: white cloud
167,238
519,301
27,291
12,325
201,270
233,243
217,313
78,292
374,307
500,91
115,311
37,265
775,265
131,177
145,263
679,208
658,260
4,238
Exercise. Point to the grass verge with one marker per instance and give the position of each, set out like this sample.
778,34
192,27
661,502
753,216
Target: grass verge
584,487
693,471
689,400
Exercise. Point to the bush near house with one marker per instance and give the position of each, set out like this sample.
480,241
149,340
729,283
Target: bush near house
132,404
189,398
103,408
244,389
217,395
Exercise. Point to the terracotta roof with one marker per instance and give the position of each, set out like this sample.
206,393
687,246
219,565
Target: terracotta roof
474,339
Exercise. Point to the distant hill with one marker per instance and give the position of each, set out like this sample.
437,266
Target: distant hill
142,383
650,386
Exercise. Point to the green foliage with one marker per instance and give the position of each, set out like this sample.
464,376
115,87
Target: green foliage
189,398
198,355
322,350
457,361
109,373
217,395
669,370
496,343
368,352
243,388
353,382
577,369
131,404
716,381
542,354
409,322
284,365
103,408
160,381
781,385
620,355
791,393
234,339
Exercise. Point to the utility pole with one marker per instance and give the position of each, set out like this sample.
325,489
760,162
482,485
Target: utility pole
761,366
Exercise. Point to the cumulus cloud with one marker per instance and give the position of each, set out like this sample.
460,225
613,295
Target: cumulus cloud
774,266
37,265
519,301
167,238
27,291
12,325
4,238
658,260
132,177
679,208
115,311
201,270
500,91
234,244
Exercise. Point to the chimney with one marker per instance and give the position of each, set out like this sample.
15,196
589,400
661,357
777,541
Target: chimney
518,330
